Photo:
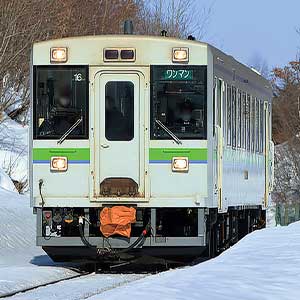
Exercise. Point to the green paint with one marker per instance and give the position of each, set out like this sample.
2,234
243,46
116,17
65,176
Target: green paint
71,153
169,153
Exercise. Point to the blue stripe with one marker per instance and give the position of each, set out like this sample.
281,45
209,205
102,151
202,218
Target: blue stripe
169,161
70,161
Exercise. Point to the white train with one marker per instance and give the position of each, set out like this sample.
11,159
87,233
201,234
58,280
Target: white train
146,145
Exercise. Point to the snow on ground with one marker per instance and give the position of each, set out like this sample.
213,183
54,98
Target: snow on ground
22,264
79,288
265,265
5,181
14,148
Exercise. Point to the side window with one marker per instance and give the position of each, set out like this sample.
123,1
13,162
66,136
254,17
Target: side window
244,122
233,131
262,127
239,119
219,98
253,124
229,119
257,125
214,105
248,128
224,107
119,111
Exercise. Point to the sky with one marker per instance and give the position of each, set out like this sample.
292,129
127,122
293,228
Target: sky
252,30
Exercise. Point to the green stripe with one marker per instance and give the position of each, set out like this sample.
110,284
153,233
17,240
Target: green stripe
168,153
70,153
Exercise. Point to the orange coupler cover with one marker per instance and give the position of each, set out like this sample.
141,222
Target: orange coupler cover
117,220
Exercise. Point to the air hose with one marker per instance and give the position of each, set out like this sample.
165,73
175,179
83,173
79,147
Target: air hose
82,237
139,241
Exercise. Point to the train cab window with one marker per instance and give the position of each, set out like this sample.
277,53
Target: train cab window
119,111
178,102
60,102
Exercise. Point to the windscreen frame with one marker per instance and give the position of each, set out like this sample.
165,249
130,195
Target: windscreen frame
154,80
35,136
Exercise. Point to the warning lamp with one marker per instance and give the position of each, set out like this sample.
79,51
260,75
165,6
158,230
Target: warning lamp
180,55
58,55
111,54
59,164
47,214
180,164
128,54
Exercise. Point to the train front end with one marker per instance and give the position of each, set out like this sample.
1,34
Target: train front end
119,147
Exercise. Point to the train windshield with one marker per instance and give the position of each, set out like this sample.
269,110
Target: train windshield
179,101
60,101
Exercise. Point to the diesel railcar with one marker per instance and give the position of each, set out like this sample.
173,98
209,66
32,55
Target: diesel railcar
145,145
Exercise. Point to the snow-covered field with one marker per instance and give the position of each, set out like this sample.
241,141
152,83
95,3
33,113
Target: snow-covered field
13,148
22,264
265,265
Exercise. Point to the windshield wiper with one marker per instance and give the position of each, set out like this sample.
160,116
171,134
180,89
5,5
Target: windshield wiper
169,132
64,136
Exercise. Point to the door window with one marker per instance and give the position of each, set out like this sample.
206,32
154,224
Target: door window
119,111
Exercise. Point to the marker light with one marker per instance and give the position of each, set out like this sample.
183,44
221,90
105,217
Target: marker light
180,164
47,215
58,55
128,54
59,164
180,54
111,54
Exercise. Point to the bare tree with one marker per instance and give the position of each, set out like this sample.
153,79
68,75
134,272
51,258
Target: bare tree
179,18
260,64
286,132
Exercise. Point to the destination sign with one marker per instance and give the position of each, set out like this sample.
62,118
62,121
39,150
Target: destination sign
177,74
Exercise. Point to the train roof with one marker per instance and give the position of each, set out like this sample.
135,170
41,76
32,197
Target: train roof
88,46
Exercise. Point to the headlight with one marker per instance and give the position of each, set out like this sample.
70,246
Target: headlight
58,55
180,55
180,164
59,164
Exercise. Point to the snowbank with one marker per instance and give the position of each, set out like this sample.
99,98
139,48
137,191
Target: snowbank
265,265
22,264
14,148
5,181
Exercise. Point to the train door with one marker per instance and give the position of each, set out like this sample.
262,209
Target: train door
218,116
118,140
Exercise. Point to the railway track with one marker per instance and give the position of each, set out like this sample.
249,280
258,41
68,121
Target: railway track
19,291
84,284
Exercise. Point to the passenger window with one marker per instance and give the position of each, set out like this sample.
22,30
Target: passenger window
239,119
219,120
229,120
248,132
253,124
244,121
119,111
233,132
257,125
262,126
